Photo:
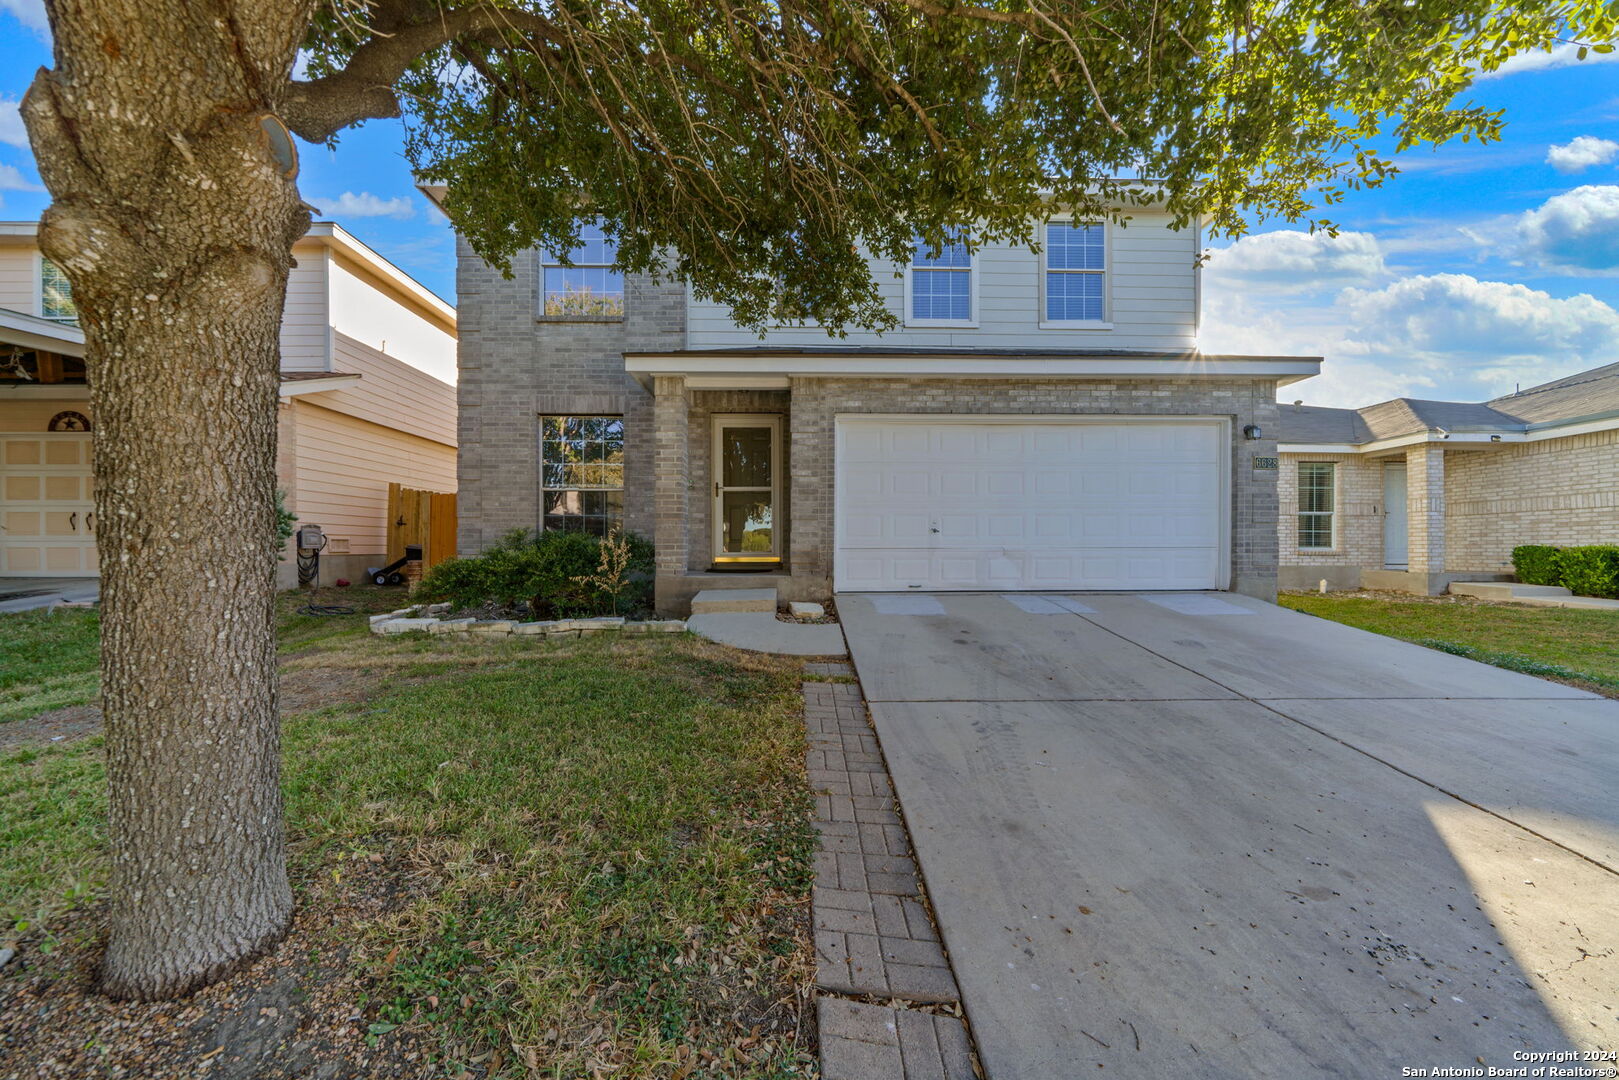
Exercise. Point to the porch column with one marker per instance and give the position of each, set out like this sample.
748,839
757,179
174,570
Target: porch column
671,478
1425,507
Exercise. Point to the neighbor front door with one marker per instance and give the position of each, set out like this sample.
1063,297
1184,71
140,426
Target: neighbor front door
747,455
1395,555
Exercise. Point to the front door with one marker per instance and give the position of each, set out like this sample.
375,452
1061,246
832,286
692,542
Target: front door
1395,552
747,455
47,506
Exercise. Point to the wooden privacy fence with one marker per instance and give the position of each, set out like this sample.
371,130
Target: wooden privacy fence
421,517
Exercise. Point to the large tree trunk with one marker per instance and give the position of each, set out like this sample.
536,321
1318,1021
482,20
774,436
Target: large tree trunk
175,223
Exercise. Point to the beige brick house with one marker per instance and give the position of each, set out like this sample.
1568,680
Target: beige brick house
1041,420
1412,495
367,398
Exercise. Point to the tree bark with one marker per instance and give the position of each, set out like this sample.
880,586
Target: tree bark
175,222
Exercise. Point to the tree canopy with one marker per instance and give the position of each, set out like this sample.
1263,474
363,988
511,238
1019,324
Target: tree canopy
767,144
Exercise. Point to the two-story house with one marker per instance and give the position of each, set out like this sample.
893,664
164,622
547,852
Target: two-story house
1043,420
367,398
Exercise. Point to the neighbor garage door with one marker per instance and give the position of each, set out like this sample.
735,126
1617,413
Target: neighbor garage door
1048,503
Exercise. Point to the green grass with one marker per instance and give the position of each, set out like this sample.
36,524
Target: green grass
48,662
1559,643
50,658
598,850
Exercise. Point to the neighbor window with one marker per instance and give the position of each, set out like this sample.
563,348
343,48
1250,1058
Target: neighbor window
56,294
582,473
1315,503
1076,271
590,288
942,284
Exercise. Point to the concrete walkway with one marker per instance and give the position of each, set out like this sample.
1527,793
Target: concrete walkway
1200,835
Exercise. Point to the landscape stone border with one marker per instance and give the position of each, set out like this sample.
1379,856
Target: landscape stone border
884,978
426,620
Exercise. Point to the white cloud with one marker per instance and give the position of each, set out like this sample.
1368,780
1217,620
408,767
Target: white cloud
365,204
12,133
31,13
12,179
1581,152
1558,56
1575,232
1448,336
1292,260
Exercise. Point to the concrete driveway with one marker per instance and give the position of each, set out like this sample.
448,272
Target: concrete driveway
26,594
1200,835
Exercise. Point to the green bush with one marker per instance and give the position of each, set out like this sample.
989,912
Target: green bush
1591,570
1536,564
543,571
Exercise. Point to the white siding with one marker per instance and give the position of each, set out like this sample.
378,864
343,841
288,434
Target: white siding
19,279
305,344
369,312
342,467
1152,302
390,393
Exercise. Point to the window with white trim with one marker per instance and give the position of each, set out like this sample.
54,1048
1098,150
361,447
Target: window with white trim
582,473
589,288
56,294
941,284
1076,272
1317,502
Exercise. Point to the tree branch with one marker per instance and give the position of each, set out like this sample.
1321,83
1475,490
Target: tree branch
364,90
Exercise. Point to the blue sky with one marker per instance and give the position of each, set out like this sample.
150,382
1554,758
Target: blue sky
1476,269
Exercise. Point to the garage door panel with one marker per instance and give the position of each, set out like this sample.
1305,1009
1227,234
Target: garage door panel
1096,504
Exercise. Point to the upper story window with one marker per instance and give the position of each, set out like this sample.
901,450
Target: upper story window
941,286
1317,498
590,288
1076,274
56,293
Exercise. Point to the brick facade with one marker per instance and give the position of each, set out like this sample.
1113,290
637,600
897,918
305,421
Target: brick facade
1560,491
1357,522
1467,508
516,366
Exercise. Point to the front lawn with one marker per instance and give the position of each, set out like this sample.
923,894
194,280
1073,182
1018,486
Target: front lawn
513,858
1579,647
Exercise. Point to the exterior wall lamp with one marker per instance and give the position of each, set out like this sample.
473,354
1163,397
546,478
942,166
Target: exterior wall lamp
1252,432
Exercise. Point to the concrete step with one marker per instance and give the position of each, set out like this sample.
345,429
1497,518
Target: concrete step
733,601
1506,590
1536,595
758,631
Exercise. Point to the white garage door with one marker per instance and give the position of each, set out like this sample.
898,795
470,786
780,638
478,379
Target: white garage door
47,506
1047,503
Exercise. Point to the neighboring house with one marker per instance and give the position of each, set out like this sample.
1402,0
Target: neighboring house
1041,421
1412,495
367,397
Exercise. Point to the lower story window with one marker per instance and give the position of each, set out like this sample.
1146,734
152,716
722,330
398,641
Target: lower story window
1315,503
582,473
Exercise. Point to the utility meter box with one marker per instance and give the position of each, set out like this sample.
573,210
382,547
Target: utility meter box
310,538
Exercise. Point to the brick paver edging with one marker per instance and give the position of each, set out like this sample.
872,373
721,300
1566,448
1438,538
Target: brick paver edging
874,938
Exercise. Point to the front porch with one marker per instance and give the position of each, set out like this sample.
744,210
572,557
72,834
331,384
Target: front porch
1393,519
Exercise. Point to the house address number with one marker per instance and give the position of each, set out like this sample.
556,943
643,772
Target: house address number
1265,462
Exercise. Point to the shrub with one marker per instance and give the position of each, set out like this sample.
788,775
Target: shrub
1591,570
1536,564
553,573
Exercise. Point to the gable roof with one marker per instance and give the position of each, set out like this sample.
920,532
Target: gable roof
1583,396
1586,393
